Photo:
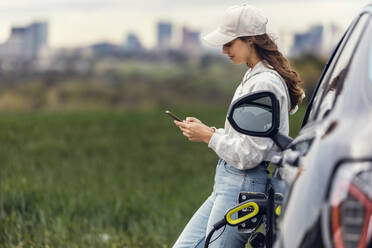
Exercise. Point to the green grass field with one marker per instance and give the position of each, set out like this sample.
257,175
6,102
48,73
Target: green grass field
101,179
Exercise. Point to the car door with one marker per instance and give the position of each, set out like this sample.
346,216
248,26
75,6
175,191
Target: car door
300,222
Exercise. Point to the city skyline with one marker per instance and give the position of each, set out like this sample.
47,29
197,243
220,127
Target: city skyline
84,22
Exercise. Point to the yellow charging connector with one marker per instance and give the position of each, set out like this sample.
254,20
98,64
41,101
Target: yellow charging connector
235,222
278,210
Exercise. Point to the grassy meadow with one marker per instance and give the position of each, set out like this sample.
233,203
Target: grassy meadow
101,179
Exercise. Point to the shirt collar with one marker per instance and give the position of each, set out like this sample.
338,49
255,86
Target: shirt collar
258,68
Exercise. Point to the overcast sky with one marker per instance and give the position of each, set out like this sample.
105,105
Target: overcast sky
83,22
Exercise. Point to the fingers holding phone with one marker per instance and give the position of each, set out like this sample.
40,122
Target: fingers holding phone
180,123
195,131
193,119
188,119
192,128
183,126
177,120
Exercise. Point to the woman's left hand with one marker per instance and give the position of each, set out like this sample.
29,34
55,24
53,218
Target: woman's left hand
195,131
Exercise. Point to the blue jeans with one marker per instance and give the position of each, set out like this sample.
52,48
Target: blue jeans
228,183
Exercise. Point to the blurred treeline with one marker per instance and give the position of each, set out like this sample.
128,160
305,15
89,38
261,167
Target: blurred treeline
117,83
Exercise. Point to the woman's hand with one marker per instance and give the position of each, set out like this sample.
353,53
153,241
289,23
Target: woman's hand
195,130
193,119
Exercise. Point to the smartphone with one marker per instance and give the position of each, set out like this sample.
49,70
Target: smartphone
173,115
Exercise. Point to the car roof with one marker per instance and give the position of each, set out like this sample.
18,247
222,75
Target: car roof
368,8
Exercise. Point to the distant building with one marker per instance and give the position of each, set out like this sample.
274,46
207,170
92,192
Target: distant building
105,49
36,38
132,43
319,40
310,42
191,42
14,47
164,35
25,42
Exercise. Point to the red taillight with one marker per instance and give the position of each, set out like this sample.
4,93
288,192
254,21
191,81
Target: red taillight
351,200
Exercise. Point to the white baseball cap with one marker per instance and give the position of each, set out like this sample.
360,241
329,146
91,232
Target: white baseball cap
237,21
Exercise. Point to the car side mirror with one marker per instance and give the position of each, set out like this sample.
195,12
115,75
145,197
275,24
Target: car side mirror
258,114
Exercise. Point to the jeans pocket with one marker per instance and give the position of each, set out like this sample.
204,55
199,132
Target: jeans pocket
232,170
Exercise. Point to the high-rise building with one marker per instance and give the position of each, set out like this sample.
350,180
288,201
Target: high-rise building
132,43
191,42
36,38
25,42
15,46
319,40
310,42
164,35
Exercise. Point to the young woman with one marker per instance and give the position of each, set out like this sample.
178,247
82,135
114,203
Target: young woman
243,38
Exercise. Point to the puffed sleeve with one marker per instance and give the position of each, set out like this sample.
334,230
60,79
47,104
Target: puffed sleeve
243,151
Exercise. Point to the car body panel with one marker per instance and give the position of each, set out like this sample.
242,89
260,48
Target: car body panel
345,133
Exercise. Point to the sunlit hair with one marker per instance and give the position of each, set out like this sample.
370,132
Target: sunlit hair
268,52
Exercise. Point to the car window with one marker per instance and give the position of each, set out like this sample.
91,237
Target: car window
329,87
364,57
335,82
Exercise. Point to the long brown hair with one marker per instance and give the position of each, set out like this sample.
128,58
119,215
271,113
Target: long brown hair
268,52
